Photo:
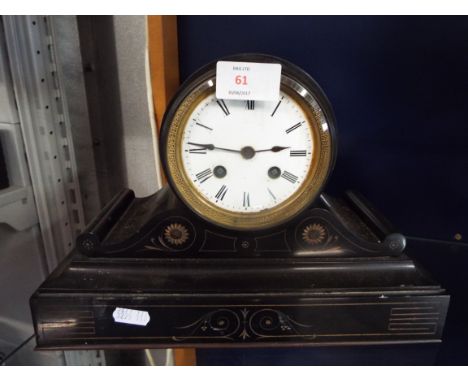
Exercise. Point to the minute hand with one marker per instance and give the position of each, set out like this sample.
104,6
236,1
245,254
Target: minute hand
212,147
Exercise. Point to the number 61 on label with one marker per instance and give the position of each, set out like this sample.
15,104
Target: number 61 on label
241,80
252,81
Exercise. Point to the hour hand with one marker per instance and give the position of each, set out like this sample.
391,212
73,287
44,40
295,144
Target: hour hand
275,149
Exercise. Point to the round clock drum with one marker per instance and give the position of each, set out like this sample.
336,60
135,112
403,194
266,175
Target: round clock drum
248,165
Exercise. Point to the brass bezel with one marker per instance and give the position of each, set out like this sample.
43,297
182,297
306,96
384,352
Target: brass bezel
284,211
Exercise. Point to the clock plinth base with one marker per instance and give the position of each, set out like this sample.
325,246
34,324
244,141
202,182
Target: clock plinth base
206,303
338,274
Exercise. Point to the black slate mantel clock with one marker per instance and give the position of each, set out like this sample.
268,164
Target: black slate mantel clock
243,248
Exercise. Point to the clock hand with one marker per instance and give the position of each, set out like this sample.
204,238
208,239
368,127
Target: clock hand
208,147
246,152
212,147
275,149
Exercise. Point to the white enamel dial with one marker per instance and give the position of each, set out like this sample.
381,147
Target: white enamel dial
247,156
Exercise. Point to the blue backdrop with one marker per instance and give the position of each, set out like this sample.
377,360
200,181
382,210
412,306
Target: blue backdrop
399,88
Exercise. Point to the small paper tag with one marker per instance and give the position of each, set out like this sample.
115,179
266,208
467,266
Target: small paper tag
131,316
251,81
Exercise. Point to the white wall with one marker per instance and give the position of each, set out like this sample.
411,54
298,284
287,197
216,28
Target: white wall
130,43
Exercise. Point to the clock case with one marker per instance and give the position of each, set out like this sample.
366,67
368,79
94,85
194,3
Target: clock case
336,274
288,71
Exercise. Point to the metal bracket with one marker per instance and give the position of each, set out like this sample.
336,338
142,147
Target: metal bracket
46,132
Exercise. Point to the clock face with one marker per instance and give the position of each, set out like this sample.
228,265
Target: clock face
248,165
247,156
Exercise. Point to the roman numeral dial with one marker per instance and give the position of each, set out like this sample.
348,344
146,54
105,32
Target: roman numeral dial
277,106
289,177
248,144
221,192
298,153
246,200
223,107
247,156
294,127
204,175
197,151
